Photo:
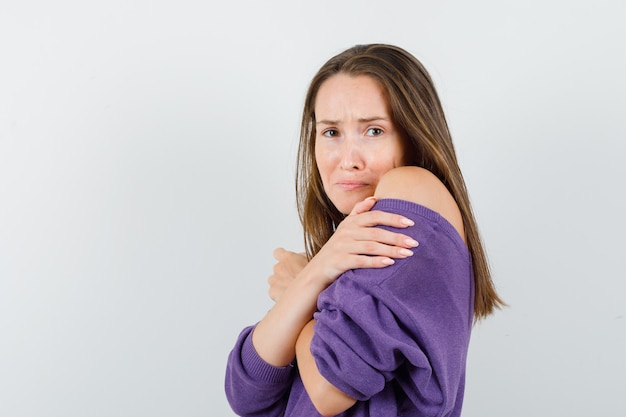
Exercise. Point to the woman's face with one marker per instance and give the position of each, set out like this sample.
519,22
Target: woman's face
356,141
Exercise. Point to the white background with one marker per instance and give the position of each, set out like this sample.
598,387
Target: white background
146,174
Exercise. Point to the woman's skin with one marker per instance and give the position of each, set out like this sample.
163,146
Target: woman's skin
426,190
356,147
356,140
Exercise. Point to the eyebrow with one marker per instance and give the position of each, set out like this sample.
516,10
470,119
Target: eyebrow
361,120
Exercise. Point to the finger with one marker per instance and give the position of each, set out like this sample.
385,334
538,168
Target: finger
372,261
390,238
393,245
279,268
273,294
279,253
379,249
355,229
382,218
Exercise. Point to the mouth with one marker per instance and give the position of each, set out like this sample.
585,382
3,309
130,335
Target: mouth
351,185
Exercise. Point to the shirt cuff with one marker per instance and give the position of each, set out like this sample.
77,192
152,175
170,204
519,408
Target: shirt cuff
260,370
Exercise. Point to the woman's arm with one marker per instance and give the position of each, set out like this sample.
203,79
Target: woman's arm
407,183
327,399
275,336
421,186
355,244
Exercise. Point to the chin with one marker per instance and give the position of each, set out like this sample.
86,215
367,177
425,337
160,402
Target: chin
345,207
344,202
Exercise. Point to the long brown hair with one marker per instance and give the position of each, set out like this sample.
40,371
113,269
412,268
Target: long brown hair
418,114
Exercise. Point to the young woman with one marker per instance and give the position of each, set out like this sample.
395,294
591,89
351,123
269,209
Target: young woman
370,322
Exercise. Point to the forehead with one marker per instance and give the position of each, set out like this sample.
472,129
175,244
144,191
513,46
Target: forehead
345,93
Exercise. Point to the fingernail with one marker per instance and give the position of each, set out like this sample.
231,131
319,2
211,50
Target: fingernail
411,242
388,261
406,252
407,222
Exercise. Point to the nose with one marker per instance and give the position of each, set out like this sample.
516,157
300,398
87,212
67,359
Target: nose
351,156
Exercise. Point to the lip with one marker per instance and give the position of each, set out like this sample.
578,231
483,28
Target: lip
351,185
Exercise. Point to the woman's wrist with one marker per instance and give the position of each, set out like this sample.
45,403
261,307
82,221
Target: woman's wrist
276,334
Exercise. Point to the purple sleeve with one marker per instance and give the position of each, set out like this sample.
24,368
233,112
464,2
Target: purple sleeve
254,387
409,322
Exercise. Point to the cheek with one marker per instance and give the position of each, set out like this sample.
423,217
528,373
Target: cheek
401,153
324,161
319,160
395,158
322,170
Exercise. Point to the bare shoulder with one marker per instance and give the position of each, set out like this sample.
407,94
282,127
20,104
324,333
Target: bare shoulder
421,186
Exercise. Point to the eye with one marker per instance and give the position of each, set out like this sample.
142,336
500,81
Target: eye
374,131
330,133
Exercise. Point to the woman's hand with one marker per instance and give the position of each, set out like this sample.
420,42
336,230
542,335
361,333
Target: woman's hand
358,244
285,270
296,284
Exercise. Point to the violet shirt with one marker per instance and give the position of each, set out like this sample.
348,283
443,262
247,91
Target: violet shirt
394,338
